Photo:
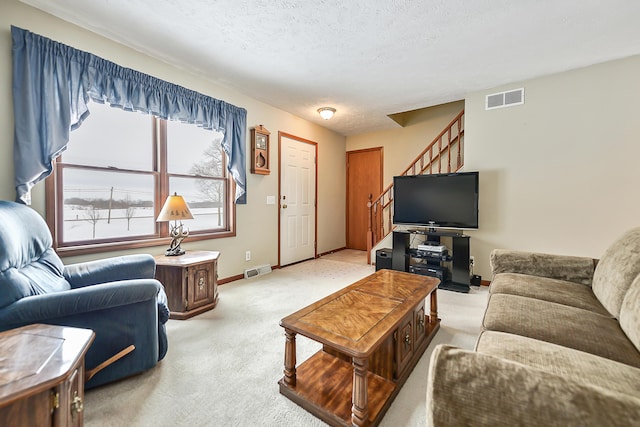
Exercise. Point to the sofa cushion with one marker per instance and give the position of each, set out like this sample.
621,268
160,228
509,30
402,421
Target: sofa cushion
475,389
560,324
563,361
561,267
543,288
630,313
618,267
28,265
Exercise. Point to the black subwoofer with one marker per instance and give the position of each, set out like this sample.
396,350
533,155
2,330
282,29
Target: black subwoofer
383,259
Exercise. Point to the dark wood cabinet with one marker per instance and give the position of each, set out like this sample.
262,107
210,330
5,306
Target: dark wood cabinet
42,375
404,344
419,327
190,281
409,338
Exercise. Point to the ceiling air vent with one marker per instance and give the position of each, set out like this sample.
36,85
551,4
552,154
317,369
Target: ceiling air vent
505,99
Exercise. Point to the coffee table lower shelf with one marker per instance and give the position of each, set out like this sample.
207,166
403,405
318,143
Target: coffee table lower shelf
324,385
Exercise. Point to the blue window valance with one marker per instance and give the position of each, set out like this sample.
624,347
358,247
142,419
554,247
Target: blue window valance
53,82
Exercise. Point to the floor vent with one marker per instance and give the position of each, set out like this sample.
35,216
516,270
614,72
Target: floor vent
257,271
505,99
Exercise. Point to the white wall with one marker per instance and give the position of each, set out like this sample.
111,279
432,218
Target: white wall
557,174
401,145
256,221
560,173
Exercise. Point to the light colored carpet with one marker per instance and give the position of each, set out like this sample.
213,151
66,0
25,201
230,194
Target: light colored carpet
223,366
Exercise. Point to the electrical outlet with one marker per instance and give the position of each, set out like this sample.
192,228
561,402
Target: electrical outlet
471,260
247,256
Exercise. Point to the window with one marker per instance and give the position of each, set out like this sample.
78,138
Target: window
118,169
198,178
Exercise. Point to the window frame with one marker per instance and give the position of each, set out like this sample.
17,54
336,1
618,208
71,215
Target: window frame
54,203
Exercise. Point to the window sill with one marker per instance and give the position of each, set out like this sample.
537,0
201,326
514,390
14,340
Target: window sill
69,251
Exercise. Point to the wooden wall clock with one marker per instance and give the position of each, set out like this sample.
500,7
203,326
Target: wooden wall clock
260,150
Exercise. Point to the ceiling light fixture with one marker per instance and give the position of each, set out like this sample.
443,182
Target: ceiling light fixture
326,112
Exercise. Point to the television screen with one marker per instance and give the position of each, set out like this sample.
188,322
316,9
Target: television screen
436,200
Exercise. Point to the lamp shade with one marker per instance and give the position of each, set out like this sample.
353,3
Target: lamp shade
174,209
326,112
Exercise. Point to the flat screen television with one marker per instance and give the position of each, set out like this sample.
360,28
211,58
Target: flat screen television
436,200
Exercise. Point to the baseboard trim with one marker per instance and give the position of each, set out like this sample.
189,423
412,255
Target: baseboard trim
239,277
230,279
273,267
332,251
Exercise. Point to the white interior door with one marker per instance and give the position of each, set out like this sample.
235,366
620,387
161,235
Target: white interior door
297,200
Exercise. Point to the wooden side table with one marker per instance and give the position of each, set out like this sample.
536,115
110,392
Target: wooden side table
190,281
42,375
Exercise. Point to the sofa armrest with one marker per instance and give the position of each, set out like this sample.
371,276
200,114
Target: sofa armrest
42,308
562,267
468,388
142,266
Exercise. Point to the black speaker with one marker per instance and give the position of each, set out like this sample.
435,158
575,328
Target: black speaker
383,259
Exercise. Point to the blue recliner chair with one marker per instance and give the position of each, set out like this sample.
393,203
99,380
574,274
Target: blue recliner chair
118,298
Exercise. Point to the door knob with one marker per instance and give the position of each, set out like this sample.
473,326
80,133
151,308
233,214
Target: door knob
284,206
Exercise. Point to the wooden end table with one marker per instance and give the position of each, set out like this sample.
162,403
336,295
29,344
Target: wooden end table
42,375
190,281
373,334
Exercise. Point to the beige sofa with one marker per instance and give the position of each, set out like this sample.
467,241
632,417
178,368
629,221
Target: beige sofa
559,345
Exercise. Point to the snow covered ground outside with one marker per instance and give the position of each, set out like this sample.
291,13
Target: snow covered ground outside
79,227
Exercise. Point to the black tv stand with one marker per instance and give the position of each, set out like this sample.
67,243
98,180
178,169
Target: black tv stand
455,287
452,269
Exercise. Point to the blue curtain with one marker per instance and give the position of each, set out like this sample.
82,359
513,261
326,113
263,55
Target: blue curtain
53,82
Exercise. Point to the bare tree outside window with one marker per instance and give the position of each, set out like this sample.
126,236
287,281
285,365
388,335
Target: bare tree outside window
93,216
130,210
211,165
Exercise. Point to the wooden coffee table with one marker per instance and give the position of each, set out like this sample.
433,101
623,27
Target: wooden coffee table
373,334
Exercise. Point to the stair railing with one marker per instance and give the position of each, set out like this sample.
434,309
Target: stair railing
445,154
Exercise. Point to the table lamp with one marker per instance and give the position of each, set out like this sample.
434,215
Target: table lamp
175,209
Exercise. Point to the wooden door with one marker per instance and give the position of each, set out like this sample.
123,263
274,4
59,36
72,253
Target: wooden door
364,177
297,199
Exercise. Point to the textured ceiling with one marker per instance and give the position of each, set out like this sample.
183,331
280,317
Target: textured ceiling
366,58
